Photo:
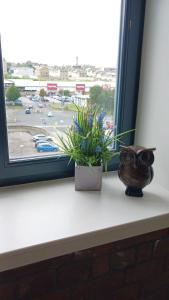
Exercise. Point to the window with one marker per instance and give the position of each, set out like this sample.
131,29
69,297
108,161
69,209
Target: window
44,91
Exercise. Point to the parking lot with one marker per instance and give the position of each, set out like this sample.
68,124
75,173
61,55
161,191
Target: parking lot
39,116
21,145
46,119
42,118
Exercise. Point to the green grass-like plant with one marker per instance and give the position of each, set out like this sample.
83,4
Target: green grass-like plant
87,142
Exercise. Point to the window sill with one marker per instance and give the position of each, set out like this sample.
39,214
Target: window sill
43,220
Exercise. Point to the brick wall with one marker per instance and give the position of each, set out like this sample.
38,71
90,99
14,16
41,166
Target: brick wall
134,268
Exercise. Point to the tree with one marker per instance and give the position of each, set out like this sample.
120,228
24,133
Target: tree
94,92
29,64
106,100
12,93
61,92
103,98
42,93
66,93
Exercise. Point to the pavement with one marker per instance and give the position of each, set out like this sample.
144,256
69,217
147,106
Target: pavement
20,138
22,146
39,116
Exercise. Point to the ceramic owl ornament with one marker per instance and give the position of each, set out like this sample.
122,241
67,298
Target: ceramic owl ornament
135,169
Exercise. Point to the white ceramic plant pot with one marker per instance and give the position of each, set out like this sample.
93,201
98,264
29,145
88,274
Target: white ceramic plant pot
88,178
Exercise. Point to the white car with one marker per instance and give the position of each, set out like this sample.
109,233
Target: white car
50,114
40,105
41,136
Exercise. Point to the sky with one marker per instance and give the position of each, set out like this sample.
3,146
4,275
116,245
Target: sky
54,32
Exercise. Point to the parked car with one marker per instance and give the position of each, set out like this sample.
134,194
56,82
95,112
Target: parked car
27,111
50,114
36,98
68,99
29,97
42,136
40,105
42,147
44,121
41,142
57,97
18,102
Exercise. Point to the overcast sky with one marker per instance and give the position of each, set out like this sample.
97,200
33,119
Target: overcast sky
56,31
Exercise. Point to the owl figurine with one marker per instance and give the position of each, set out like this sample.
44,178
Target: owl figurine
135,169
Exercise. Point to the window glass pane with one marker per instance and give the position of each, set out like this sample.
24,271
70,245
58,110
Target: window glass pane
56,53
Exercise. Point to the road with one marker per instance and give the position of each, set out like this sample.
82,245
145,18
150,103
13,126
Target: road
39,116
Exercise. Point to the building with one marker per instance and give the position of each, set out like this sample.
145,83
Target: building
63,74
22,71
8,83
54,73
42,72
81,100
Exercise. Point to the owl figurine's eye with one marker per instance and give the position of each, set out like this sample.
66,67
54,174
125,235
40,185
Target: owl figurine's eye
127,157
146,158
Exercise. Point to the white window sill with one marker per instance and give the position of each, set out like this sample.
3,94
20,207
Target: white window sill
47,219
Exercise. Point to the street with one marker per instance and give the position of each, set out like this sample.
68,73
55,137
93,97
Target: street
39,116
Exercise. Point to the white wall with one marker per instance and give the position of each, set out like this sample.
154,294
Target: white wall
153,108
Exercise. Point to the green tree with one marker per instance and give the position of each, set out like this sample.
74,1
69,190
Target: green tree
61,92
94,93
42,93
29,64
106,100
64,93
12,93
103,98
67,93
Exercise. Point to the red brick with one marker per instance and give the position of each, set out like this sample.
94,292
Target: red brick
127,243
167,263
83,292
39,281
29,270
103,250
124,244
83,255
161,247
144,251
56,295
72,274
36,285
145,270
128,293
161,294
151,285
136,240
103,288
100,266
24,290
99,289
123,259
7,292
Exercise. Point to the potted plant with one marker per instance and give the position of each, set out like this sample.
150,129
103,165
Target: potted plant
89,145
